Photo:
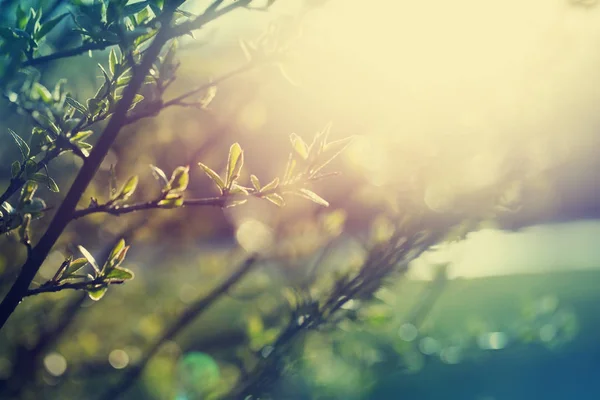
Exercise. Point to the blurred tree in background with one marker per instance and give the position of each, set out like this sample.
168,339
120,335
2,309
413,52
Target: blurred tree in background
258,273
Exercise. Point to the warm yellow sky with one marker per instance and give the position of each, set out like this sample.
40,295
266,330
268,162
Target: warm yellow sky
492,77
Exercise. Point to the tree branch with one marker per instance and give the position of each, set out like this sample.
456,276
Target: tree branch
67,53
156,107
189,315
83,179
73,285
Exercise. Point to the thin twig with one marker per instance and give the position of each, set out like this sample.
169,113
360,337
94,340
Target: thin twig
73,285
154,108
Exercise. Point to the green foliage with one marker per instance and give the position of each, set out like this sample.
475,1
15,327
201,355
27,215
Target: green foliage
140,64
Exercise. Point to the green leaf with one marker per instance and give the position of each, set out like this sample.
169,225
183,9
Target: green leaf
289,169
15,169
79,136
112,61
123,80
234,203
213,175
46,180
97,293
237,189
21,17
76,105
179,179
119,274
255,182
88,256
23,147
49,25
128,189
235,162
275,199
299,146
159,174
171,203
75,266
271,185
134,8
105,88
51,184
34,21
117,249
116,257
43,92
331,151
29,190
30,167
310,195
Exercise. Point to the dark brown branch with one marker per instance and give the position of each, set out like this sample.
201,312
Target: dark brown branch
154,108
73,285
150,205
179,30
67,53
188,316
83,179
17,183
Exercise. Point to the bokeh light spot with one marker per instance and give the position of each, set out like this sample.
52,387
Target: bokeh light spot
253,235
118,359
55,364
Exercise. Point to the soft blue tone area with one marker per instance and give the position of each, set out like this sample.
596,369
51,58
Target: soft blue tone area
538,249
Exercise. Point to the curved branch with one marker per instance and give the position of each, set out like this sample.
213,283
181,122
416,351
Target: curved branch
149,205
67,53
188,316
73,286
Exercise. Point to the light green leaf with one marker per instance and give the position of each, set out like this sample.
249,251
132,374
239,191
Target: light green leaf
43,92
82,135
119,274
234,203
49,25
117,249
255,182
97,293
299,146
76,105
213,175
310,195
21,17
159,174
138,98
332,150
237,189
88,256
75,266
171,203
15,169
23,147
46,180
179,179
275,199
271,185
112,61
235,161
128,189
51,184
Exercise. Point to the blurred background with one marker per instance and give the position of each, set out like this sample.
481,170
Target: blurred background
485,113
